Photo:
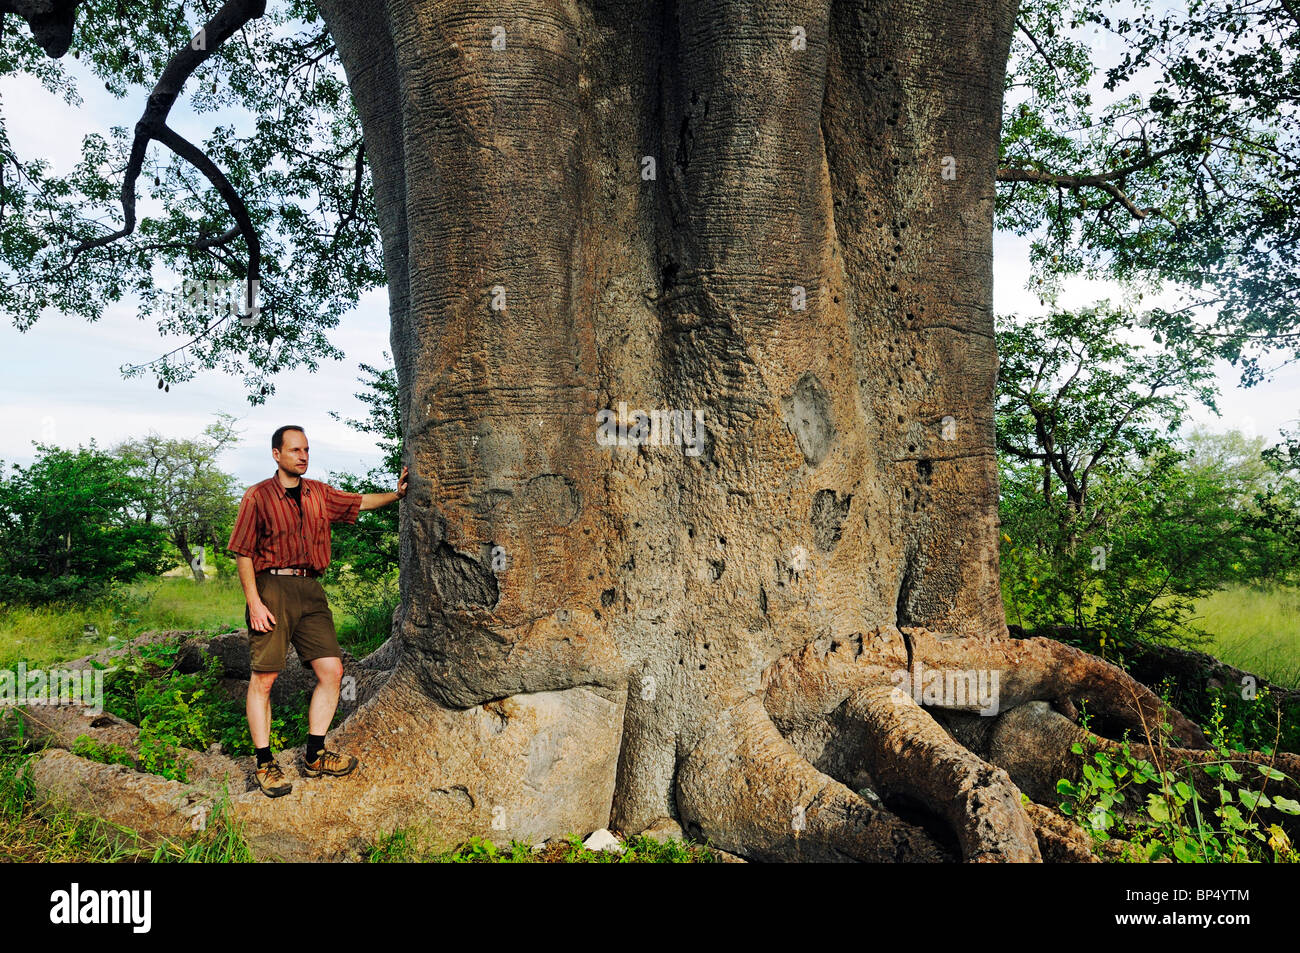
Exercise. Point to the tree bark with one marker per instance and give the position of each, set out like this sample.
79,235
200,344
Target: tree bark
681,206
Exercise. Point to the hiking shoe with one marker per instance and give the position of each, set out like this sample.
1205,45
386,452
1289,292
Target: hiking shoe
271,780
329,762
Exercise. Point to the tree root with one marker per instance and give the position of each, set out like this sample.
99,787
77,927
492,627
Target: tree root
1034,744
908,754
749,792
773,777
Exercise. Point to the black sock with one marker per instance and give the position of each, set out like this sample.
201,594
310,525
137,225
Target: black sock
263,755
314,745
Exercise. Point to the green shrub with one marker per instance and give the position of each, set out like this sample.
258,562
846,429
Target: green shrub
1157,810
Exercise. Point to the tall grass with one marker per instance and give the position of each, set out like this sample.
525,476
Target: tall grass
1256,630
41,635
45,635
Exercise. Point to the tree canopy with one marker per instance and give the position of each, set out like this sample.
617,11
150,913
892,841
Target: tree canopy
1184,171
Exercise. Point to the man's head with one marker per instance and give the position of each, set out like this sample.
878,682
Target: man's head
289,448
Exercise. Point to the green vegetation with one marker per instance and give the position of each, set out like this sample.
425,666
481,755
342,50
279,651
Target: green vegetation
1257,630
184,491
69,529
1114,525
177,710
54,632
54,834
1155,810
403,846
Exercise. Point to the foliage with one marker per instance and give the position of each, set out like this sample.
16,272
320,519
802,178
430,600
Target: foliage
1112,525
33,832
1156,808
52,632
1157,143
369,548
176,710
84,746
184,490
68,527
367,605
290,146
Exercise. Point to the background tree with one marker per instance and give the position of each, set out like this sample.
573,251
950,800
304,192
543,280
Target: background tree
777,215
186,493
1114,523
68,527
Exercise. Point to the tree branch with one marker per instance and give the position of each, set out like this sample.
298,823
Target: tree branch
153,125
1100,180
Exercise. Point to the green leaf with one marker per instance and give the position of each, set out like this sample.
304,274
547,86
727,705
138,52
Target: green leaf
1286,805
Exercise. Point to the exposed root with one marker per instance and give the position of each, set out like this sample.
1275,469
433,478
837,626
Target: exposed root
907,753
59,726
749,792
1033,743
1033,669
525,767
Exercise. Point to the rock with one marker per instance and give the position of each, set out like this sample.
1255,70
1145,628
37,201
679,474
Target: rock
663,830
727,858
603,840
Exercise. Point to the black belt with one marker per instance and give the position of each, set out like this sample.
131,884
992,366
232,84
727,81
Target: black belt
293,572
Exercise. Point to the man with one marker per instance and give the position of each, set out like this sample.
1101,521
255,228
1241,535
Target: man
281,542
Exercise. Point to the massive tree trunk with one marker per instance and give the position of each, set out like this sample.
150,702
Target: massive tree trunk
778,213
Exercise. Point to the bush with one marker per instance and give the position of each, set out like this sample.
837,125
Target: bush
367,605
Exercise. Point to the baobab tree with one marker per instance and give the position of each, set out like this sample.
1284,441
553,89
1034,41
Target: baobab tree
771,219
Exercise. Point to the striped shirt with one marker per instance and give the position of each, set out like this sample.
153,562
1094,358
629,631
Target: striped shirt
272,531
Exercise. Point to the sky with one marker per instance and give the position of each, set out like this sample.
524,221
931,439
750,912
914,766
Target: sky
61,380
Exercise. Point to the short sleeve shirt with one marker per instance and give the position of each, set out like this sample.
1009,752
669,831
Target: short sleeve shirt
275,533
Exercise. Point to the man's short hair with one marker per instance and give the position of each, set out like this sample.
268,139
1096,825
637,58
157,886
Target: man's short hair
277,438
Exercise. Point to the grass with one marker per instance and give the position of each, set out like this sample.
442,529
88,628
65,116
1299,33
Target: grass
43,635
48,834
404,846
1255,630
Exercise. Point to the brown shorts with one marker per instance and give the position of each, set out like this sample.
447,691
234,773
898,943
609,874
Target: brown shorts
302,616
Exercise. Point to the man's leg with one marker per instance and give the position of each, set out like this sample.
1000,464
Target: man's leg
318,646
325,697
258,707
266,652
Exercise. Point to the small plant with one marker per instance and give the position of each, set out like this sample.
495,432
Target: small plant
402,846
220,841
177,711
1158,811
87,747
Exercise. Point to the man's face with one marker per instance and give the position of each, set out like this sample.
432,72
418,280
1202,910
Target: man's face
292,455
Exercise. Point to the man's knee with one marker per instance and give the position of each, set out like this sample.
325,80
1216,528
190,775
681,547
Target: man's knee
328,670
259,683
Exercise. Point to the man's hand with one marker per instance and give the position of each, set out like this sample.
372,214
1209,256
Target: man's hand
373,501
260,618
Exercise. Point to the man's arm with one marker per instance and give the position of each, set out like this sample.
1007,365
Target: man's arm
373,501
259,615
